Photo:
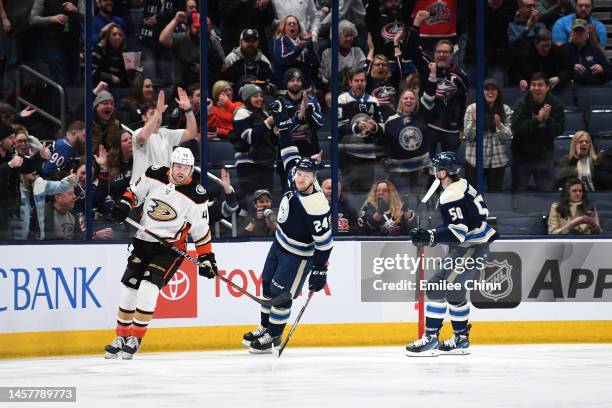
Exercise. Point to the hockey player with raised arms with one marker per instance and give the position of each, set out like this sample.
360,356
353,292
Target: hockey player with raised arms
303,239
466,232
174,205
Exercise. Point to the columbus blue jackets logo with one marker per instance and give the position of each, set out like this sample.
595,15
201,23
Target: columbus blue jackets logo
357,119
161,211
499,272
385,95
411,138
439,13
283,210
390,30
302,132
445,89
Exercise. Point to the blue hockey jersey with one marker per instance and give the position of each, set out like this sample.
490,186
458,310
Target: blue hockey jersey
464,214
304,221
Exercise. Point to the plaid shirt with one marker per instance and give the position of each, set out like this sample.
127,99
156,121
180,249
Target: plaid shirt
495,152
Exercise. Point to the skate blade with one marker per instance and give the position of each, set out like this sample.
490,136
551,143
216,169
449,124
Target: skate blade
457,352
255,351
428,353
246,343
111,356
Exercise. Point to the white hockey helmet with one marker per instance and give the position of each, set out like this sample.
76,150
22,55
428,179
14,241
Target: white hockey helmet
182,155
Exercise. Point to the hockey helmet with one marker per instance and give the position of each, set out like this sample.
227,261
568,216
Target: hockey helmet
446,161
308,164
182,155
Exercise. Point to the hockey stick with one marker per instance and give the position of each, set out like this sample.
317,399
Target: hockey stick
282,298
297,319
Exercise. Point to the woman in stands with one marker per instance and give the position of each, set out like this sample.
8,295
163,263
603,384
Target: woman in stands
115,166
220,116
497,135
406,148
384,212
293,49
573,214
580,162
107,62
142,92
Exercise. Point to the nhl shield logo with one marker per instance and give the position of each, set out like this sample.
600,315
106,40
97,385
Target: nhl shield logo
499,272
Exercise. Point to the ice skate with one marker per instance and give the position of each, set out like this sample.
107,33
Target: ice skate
426,346
265,344
458,344
112,350
132,345
253,335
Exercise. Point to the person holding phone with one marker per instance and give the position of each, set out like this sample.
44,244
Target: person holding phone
573,214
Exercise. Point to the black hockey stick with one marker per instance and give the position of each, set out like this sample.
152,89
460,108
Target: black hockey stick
297,319
282,298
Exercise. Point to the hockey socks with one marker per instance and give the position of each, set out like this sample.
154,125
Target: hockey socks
434,316
459,315
127,308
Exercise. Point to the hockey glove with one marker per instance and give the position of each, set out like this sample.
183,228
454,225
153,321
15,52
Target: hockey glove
318,278
121,210
208,265
422,237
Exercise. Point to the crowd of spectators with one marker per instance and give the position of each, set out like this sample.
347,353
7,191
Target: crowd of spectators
406,80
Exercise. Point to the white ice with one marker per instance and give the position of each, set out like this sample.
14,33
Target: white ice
375,377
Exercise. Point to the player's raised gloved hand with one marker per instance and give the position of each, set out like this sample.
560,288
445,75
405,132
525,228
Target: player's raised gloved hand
318,278
422,237
208,265
121,210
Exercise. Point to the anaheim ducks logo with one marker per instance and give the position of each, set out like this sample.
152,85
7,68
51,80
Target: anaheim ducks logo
161,211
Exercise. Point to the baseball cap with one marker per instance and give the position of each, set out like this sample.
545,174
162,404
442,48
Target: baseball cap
257,194
491,82
28,166
249,34
579,22
5,131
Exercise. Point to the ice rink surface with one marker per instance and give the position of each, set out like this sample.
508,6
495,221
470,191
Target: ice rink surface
376,377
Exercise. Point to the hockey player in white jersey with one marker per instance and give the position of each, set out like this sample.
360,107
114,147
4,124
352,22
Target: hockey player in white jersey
466,232
174,205
302,243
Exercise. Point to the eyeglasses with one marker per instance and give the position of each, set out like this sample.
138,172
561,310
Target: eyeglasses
381,65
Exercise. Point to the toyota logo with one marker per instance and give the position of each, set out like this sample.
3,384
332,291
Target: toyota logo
177,287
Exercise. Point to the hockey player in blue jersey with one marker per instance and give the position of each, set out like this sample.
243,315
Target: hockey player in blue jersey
303,239
466,232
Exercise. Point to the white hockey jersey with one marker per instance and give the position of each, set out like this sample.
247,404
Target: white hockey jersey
171,211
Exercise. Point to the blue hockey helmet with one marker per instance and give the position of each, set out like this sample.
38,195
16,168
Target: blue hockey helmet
446,161
308,164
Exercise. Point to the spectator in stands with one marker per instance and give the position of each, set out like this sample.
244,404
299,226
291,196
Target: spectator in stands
563,27
525,25
185,48
384,212
116,168
215,56
385,19
541,55
61,223
352,11
349,56
305,11
497,134
247,63
405,141
383,82
444,89
178,119
26,145
107,57
221,115
347,217
255,143
33,190
537,119
66,150
9,179
573,214
142,92
103,19
306,113
498,15
293,49
590,65
580,162
260,16
104,121
60,23
360,126
148,37
552,10
153,144
263,224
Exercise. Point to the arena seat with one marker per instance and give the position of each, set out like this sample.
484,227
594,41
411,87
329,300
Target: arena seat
587,96
500,203
220,152
574,121
522,225
562,144
600,121
535,203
